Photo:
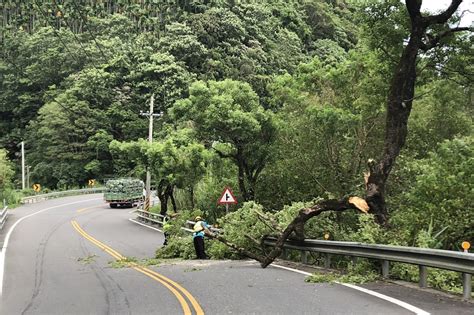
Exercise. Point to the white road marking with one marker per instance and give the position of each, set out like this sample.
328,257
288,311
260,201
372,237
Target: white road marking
405,305
150,227
10,231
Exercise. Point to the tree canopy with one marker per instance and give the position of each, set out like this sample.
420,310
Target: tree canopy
284,101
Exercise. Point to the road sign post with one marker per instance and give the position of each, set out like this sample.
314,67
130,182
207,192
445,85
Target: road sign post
227,198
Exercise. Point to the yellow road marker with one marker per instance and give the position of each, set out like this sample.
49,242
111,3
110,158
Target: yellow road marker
168,283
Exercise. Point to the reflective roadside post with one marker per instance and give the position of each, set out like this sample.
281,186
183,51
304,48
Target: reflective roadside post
466,245
466,277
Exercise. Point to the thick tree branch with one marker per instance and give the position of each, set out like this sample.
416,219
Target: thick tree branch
413,8
442,17
297,226
433,41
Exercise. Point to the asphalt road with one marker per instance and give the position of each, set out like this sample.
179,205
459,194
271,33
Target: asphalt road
60,261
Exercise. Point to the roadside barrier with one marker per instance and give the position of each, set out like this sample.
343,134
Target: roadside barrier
153,219
42,197
150,218
423,257
3,217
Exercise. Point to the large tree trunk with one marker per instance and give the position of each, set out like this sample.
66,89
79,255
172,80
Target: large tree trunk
163,196
399,105
169,192
398,110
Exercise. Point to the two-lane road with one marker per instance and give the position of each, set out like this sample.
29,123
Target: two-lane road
58,261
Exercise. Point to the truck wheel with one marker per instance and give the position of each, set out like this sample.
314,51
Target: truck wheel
113,205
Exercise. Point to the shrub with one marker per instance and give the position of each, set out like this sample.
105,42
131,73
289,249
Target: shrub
178,247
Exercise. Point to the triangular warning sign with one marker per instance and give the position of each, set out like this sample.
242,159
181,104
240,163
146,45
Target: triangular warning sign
227,197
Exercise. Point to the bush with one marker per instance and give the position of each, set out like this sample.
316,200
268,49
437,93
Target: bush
437,278
178,247
440,200
361,272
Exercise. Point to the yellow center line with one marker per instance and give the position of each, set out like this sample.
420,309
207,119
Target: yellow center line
84,209
168,283
197,307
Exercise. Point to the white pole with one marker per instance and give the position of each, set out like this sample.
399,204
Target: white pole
23,165
148,173
28,176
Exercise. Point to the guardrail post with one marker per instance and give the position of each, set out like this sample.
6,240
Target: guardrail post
304,257
423,276
284,254
466,286
327,261
385,269
354,260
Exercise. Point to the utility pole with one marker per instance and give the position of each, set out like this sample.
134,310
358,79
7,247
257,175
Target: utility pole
28,176
150,141
23,165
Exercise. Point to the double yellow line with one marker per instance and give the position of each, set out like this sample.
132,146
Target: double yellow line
174,287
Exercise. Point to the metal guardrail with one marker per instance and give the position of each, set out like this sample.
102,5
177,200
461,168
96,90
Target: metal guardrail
423,257
157,219
36,198
150,217
3,217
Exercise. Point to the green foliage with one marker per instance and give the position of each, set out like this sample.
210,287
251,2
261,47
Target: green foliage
6,171
440,279
244,223
368,231
359,273
439,199
7,192
177,247
228,115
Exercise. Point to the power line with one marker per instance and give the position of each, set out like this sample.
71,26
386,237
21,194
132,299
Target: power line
55,31
84,20
88,30
75,36
69,52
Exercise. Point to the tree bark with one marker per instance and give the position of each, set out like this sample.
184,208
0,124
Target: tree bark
170,191
161,192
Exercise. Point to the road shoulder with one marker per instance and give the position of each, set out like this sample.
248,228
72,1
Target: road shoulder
428,299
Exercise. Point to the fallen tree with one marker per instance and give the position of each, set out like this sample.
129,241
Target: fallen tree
426,33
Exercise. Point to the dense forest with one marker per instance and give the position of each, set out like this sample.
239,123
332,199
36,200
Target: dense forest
284,101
